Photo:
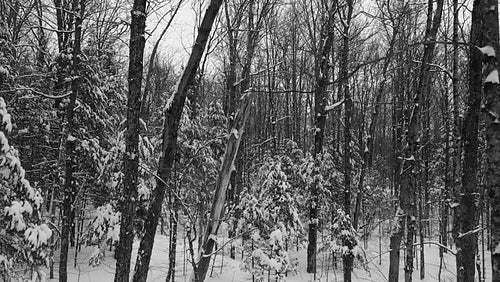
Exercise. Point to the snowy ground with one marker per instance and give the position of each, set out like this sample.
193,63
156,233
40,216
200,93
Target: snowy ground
226,269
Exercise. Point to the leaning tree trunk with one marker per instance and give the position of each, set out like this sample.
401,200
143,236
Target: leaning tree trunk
131,157
70,189
220,190
488,40
169,141
230,109
146,97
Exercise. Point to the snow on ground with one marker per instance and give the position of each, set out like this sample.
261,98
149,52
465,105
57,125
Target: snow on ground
226,269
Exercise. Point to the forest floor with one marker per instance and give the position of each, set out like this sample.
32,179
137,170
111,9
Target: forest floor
226,269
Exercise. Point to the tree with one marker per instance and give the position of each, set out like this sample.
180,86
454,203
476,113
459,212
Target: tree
483,71
348,257
235,136
131,157
169,140
24,238
70,185
466,213
410,168
321,75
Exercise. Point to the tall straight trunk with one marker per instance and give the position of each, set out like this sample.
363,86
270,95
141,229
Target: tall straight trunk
457,143
448,174
466,218
294,78
235,135
173,211
397,233
70,189
64,21
348,257
488,38
131,157
41,59
368,154
410,166
169,141
321,73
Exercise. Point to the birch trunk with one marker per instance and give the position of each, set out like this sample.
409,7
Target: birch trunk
227,167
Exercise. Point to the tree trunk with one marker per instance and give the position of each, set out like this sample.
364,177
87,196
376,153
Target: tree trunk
169,141
396,234
233,144
320,100
457,141
394,246
348,257
173,238
70,189
484,32
410,166
131,157
368,154
489,39
146,97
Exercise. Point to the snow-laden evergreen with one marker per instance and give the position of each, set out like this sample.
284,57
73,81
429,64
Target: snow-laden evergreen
23,236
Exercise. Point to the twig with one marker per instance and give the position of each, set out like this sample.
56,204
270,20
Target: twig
37,92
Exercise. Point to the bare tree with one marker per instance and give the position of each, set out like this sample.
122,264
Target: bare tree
70,186
131,156
348,257
169,140
410,167
483,78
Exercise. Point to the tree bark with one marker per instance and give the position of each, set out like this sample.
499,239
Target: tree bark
320,99
169,140
227,166
348,257
410,167
70,188
368,152
131,157
484,23
488,37
173,211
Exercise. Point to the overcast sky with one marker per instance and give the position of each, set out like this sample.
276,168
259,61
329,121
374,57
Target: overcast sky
177,42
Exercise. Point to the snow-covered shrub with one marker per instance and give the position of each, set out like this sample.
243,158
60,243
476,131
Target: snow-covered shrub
269,213
268,255
345,240
23,237
103,231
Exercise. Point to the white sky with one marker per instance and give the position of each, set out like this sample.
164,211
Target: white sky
177,42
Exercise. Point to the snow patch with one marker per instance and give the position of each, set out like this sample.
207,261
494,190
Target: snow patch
492,77
235,133
335,105
488,50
